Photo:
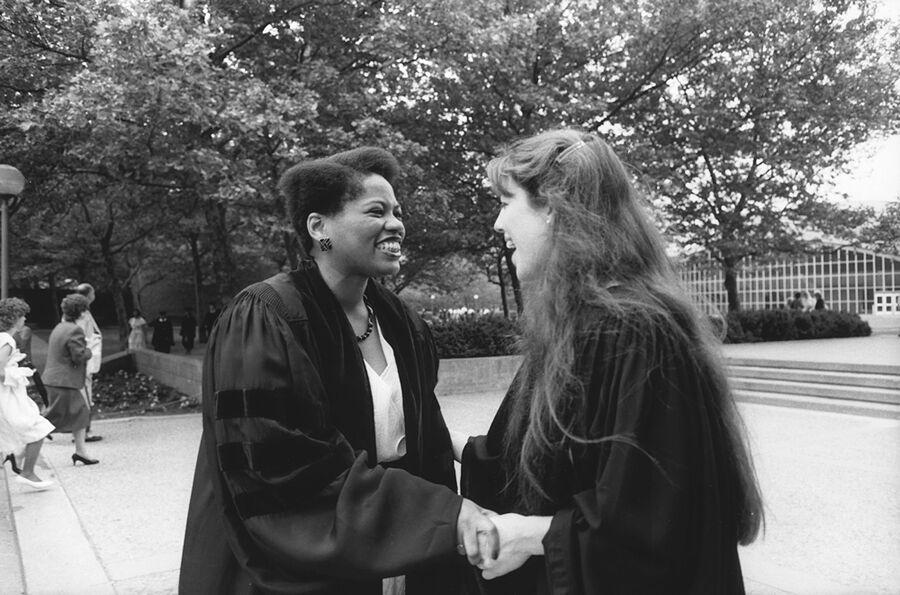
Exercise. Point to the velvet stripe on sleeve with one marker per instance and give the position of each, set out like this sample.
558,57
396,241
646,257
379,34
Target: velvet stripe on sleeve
284,501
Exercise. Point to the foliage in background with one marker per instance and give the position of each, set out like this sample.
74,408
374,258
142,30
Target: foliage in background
882,233
152,136
737,147
475,336
753,326
492,335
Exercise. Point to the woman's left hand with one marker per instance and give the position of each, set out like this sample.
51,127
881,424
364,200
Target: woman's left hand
520,538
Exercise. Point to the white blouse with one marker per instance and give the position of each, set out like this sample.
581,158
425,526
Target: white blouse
390,427
387,403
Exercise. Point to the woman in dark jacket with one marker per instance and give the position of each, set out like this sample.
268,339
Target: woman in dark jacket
617,453
64,374
325,465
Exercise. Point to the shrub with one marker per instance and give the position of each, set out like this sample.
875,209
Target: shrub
124,392
751,326
475,336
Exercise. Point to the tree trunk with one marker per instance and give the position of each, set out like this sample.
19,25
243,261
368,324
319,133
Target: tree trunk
54,296
502,285
198,275
291,248
223,259
730,267
115,287
514,281
136,281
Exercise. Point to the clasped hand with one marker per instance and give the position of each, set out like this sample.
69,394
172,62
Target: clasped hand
494,543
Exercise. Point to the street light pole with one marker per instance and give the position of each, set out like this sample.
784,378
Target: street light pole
4,249
11,184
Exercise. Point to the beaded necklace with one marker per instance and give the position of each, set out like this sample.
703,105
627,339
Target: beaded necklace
370,325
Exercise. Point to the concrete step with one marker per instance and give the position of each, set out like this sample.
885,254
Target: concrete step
857,368
883,410
815,389
888,381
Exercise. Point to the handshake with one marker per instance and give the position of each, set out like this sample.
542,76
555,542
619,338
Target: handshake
495,543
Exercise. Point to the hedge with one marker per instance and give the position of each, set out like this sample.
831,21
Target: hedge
475,336
753,326
480,336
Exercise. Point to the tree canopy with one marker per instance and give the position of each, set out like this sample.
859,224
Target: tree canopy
152,136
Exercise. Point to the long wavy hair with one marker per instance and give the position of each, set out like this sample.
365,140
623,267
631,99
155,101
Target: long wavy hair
600,238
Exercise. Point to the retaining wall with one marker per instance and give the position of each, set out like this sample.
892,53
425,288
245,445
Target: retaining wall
456,376
494,375
468,375
180,372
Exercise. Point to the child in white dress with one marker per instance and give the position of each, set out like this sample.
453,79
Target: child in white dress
21,423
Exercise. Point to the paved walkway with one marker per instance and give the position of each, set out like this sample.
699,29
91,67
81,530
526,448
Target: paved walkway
831,483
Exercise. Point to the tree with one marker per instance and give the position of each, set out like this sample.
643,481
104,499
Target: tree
882,234
476,75
150,132
139,115
735,146
42,46
342,51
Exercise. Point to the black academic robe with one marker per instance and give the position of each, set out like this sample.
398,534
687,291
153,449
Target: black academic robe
163,334
623,522
288,496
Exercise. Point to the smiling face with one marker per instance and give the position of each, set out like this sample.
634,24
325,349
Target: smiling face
525,228
366,233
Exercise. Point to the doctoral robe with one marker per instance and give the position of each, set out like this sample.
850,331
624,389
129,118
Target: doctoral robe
288,496
654,512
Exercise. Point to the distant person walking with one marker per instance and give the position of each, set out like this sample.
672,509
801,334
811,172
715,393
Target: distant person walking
23,342
64,375
21,423
820,303
188,330
209,319
137,338
807,302
163,335
797,302
94,339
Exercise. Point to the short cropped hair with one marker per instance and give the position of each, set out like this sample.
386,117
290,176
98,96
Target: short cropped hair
11,309
73,305
326,185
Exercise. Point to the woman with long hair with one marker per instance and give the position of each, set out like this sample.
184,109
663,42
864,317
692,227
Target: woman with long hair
618,455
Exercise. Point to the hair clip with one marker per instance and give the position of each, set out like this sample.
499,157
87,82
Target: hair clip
568,151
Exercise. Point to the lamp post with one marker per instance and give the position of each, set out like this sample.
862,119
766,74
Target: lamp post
11,184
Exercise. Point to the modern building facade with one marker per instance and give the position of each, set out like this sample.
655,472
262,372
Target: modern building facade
849,279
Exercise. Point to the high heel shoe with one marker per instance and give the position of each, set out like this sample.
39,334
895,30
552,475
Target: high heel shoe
34,485
77,457
12,461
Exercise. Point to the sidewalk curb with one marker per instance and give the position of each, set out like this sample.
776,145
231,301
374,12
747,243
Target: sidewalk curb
50,535
95,422
12,579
